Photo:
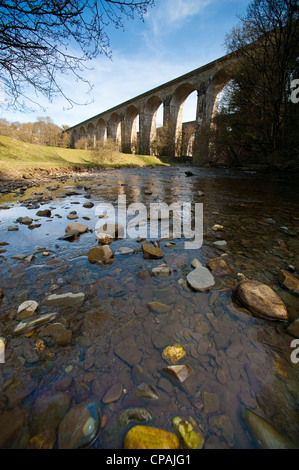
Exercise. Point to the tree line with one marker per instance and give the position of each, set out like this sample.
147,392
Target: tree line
259,121
43,132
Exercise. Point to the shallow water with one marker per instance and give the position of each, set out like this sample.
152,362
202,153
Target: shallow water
243,361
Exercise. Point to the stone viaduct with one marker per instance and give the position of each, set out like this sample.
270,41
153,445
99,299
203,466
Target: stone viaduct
120,122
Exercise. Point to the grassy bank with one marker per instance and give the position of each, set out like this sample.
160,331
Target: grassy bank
20,159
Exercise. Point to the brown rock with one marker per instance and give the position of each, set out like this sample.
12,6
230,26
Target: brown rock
11,423
58,332
261,300
219,267
151,252
82,228
113,394
179,372
107,233
289,281
100,253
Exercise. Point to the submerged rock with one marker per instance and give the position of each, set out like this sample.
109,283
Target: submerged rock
31,323
26,309
293,328
261,300
222,426
219,267
144,437
58,332
65,300
113,394
179,372
79,427
135,414
158,307
266,434
289,281
192,439
173,354
200,279
161,270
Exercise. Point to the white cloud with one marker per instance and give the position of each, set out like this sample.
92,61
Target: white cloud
170,15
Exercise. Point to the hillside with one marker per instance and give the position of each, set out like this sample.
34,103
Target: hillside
20,159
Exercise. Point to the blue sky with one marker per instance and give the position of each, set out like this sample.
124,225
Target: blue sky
176,37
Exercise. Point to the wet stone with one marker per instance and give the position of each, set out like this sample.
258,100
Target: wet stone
44,440
128,351
113,394
144,437
26,309
79,427
200,279
178,372
211,402
151,252
261,300
158,307
222,426
135,414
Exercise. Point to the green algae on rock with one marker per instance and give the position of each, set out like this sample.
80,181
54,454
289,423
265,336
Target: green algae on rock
192,439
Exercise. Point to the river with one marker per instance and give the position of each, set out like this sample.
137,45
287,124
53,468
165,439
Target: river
115,340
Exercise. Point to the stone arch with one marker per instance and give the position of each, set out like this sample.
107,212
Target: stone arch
91,135
114,128
215,88
176,113
101,130
82,133
149,124
130,134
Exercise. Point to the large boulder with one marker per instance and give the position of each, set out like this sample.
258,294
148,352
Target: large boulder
260,299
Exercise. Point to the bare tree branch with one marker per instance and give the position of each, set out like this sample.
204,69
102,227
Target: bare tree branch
41,40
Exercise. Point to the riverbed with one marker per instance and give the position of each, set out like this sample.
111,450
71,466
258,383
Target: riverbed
111,352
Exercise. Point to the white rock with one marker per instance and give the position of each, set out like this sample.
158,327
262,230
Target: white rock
65,300
161,270
200,279
27,309
222,244
30,324
126,251
196,263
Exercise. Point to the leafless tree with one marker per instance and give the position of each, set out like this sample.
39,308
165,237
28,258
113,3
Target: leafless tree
42,39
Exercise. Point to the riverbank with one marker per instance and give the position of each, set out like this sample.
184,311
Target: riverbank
22,160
